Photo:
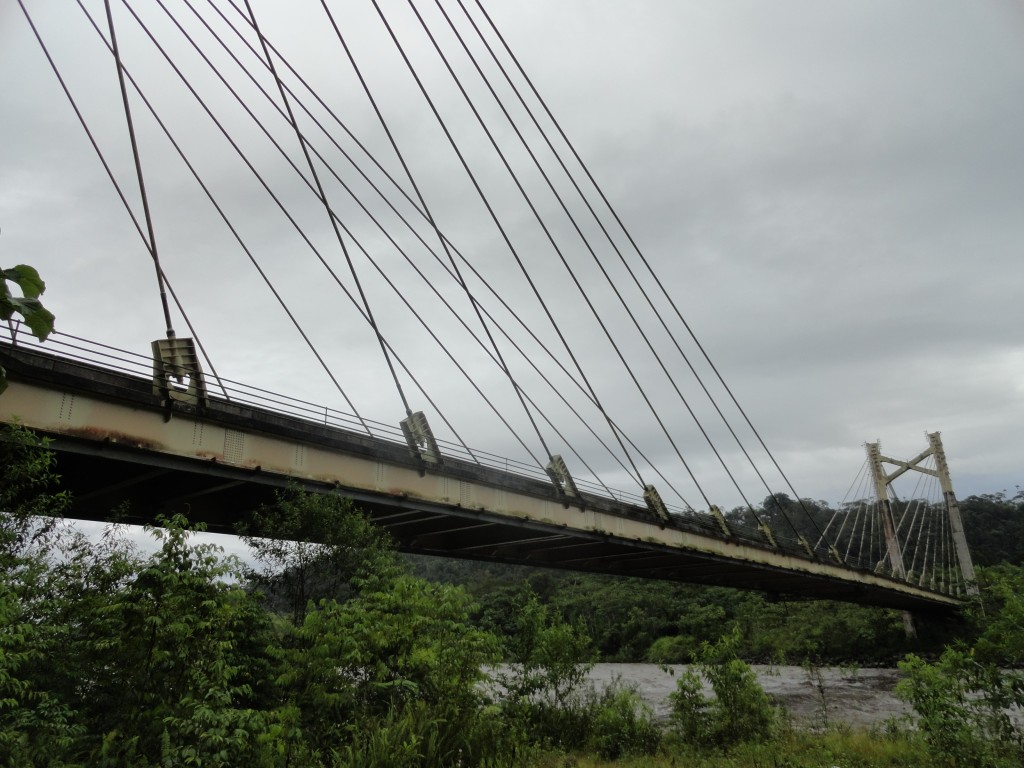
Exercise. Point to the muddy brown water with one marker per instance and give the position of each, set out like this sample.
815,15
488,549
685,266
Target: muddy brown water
859,698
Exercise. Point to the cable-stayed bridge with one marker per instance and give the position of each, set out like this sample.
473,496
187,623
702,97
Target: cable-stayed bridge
120,440
547,334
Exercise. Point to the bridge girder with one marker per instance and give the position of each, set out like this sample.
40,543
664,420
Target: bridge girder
220,460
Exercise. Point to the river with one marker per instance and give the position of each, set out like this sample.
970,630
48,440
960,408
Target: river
859,698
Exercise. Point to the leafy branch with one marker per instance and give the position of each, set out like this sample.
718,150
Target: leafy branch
37,317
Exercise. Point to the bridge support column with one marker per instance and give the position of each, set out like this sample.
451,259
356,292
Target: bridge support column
892,544
956,523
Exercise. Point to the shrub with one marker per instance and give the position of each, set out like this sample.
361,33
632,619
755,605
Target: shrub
671,649
622,723
546,697
962,707
740,710
399,661
311,547
543,686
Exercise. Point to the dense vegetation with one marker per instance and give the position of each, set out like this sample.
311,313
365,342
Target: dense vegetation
330,650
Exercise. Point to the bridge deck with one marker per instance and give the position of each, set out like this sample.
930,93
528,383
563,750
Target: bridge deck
116,444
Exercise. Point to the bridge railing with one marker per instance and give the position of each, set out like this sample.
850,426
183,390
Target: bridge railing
138,365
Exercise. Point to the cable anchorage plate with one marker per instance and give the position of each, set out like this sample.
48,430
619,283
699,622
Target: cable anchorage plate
655,503
176,359
560,477
420,438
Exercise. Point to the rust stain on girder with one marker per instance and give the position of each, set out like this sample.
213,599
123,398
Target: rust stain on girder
112,436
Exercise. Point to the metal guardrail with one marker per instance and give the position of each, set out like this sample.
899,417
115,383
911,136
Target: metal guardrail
140,366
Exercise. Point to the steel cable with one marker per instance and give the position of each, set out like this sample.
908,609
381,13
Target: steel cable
117,188
646,264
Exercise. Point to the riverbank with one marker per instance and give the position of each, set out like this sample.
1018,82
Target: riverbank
813,698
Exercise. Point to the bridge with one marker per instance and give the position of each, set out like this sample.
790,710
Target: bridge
558,308
120,440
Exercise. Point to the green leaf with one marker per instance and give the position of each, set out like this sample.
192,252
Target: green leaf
28,280
37,317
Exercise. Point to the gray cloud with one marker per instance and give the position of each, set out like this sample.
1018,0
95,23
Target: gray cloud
831,194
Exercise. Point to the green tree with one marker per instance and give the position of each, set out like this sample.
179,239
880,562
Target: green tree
963,699
399,660
740,710
542,686
36,726
548,658
164,662
994,526
962,705
311,547
110,658
999,618
30,506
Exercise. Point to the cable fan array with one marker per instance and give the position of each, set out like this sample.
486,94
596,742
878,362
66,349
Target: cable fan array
925,551
398,189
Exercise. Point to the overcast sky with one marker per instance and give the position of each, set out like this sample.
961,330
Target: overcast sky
832,194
